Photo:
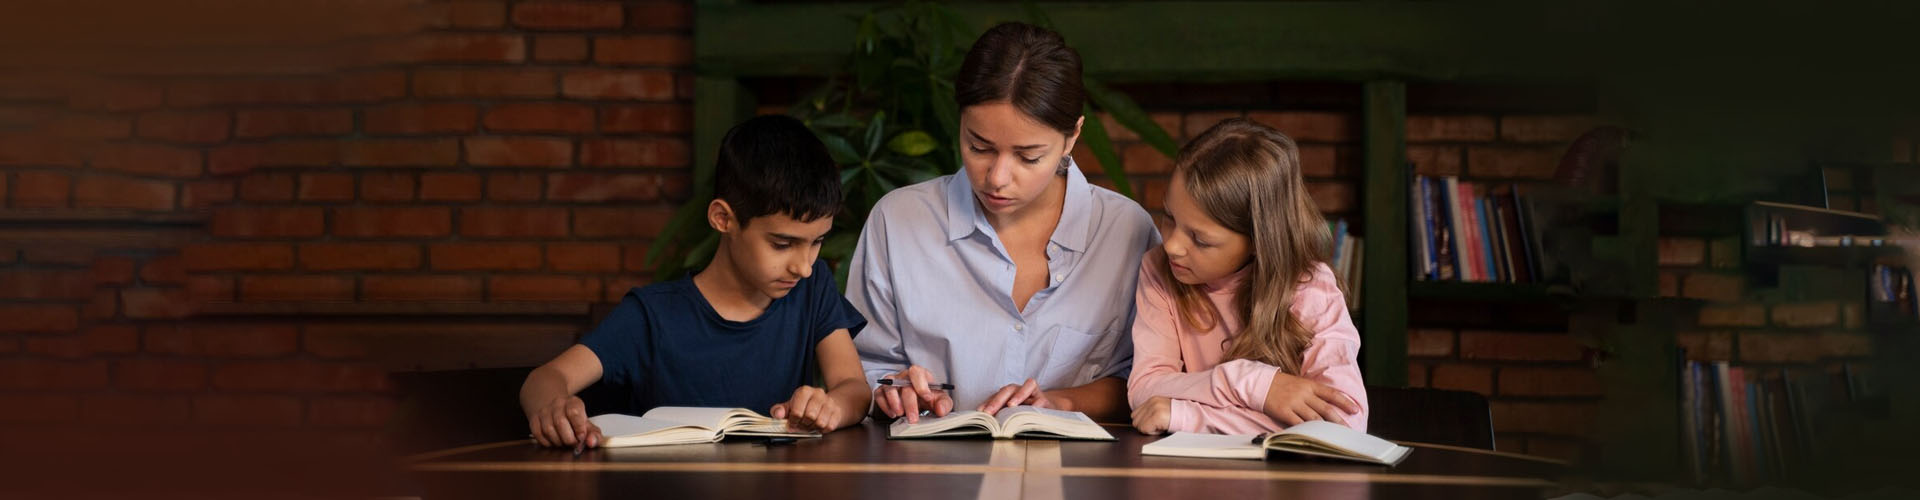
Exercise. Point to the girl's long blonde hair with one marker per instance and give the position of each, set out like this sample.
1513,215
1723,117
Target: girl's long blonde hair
1246,176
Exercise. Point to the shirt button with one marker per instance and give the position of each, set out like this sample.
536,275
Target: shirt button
1019,326
1059,277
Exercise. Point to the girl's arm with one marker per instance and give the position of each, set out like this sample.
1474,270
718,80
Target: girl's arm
1332,358
1157,366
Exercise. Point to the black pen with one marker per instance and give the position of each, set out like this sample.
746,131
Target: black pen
903,383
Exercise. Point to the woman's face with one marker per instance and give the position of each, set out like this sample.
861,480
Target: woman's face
1010,157
1199,249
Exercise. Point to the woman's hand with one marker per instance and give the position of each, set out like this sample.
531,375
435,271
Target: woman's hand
1152,418
810,409
897,401
1028,393
1293,400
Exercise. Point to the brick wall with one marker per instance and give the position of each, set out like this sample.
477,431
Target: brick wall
216,241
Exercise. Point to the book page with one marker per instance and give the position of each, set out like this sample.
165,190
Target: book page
1020,419
929,426
710,418
1337,438
1188,444
616,425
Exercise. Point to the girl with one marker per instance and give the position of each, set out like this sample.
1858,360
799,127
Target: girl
1242,328
1011,281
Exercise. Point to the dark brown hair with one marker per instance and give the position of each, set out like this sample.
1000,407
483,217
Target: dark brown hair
1026,65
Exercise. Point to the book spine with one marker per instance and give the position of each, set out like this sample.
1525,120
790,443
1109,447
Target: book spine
1431,236
1516,250
1523,217
1469,235
1489,261
1462,233
1500,237
1727,428
1422,265
1690,436
1445,254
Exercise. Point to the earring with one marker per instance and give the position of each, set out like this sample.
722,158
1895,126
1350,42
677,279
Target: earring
1063,167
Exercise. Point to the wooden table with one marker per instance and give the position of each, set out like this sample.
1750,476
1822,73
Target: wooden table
860,462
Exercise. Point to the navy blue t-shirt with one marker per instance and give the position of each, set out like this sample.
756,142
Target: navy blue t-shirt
665,345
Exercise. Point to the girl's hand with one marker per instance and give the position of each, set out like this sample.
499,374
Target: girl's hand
1152,418
1293,400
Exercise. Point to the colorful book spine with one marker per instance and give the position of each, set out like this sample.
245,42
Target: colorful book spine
1463,234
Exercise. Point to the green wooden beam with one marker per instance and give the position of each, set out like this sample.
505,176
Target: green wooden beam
1383,304
1188,41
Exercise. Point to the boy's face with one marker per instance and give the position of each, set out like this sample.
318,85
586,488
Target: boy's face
772,253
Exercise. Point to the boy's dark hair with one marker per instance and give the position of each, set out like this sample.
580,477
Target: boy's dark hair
772,164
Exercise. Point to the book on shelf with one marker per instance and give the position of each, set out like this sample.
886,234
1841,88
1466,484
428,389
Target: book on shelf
1347,255
1744,425
1473,232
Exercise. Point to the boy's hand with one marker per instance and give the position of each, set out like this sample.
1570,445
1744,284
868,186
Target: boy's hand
907,401
1154,417
810,408
1293,400
563,422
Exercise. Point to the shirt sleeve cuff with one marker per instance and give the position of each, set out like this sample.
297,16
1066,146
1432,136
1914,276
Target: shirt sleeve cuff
1182,416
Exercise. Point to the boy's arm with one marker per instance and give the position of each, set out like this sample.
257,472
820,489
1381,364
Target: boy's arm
846,381
1104,399
554,415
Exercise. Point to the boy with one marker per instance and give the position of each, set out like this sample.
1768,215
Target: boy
746,331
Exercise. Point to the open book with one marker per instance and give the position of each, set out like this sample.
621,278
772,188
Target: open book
1021,421
684,425
1317,438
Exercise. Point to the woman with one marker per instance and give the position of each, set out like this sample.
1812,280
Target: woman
1012,280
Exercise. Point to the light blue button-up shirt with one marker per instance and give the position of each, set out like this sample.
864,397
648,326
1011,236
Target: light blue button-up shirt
936,286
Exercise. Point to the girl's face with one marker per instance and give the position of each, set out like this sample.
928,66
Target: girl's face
1010,157
1199,249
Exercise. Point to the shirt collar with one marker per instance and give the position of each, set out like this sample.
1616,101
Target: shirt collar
964,216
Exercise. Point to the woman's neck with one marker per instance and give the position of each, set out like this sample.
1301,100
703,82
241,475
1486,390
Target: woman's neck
1042,214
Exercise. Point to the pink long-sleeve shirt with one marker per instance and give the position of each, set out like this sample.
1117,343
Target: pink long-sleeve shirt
1171,360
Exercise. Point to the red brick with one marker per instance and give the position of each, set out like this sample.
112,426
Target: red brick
400,153
492,222
1543,128
392,222
659,15
1733,315
3,196
568,15
449,187
635,153
52,374
159,375
1669,283
358,256
386,186
348,88
292,122
1536,381
1332,197
540,288
539,117
111,270
559,48
1429,343
326,187
1310,126
298,376
1417,374
644,50
350,411
276,186
1449,128
519,151
1567,419
115,95
148,159
1513,162
1714,287
1801,347
484,256
1436,160
483,83
429,118
599,222
616,287
239,158
514,187
1319,160
250,222
647,85
213,288
634,257
223,340
296,287
1200,122
41,190
60,255
1682,252
603,187
469,15
104,339
237,256
25,150
1168,122
1458,377
461,48
31,408
156,303
192,127
164,269
99,191
136,410
86,127
648,119
1515,346
1140,158
583,257
242,410
408,287
1803,315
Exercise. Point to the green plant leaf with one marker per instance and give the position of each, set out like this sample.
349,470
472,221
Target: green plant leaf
912,143
1130,115
679,229
1094,134
841,150
702,253
875,127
